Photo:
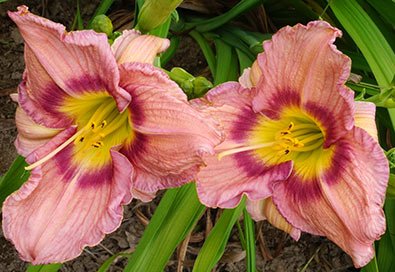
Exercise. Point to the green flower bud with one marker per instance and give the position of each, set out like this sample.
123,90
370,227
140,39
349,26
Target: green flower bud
201,86
154,13
102,24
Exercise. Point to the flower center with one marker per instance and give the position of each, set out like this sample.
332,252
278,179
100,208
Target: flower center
274,141
97,132
302,137
100,127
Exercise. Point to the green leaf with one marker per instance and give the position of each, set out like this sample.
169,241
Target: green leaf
236,43
386,249
214,246
176,215
206,49
244,60
169,53
386,8
391,187
213,23
44,268
368,38
106,265
13,179
371,266
224,61
250,241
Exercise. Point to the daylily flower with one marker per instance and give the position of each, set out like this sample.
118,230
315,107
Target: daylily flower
298,146
98,126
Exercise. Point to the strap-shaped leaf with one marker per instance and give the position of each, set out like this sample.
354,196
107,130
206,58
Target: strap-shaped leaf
214,246
176,215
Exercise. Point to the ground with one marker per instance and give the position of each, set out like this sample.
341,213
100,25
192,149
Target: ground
276,250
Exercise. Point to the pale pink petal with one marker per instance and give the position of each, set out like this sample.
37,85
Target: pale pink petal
301,67
364,117
345,202
142,195
54,215
230,104
223,182
70,62
48,147
245,79
134,47
170,136
255,73
250,76
30,135
265,210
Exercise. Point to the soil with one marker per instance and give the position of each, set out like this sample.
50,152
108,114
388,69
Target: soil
279,252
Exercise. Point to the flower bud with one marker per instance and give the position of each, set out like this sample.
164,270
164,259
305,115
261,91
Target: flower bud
102,24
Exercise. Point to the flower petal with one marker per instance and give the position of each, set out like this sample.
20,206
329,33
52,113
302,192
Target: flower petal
265,210
364,117
171,136
223,182
41,113
30,135
58,61
345,202
134,47
245,79
52,217
301,67
250,76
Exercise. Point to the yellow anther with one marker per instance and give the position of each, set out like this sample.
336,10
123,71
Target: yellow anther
93,125
103,124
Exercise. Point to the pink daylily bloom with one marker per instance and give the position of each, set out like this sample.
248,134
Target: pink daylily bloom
98,125
298,146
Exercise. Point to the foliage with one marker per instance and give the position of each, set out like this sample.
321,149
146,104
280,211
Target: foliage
230,45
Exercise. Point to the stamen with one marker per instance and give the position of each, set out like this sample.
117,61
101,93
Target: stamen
291,125
113,126
103,124
306,125
243,149
283,152
98,144
53,153
311,138
100,113
310,147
